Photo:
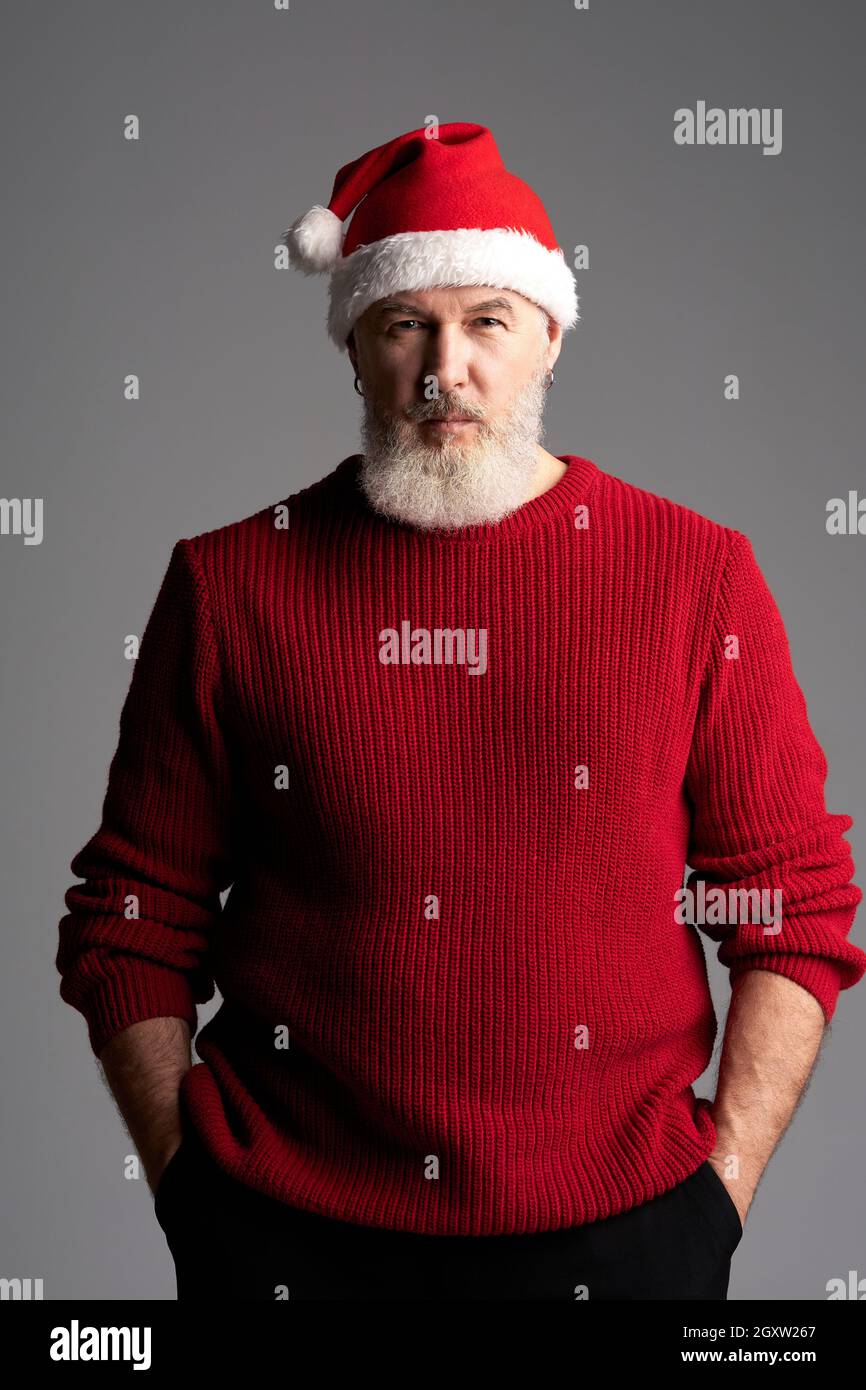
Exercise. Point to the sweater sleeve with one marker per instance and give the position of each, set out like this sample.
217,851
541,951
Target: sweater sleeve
755,778
134,943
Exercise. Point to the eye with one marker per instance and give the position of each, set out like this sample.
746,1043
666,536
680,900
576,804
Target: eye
404,323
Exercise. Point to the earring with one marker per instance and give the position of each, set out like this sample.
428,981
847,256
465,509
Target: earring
552,379
357,379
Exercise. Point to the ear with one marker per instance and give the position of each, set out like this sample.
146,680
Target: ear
554,337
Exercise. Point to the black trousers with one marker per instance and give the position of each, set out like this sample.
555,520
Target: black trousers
230,1242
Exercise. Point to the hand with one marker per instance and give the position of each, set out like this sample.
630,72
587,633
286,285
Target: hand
738,1191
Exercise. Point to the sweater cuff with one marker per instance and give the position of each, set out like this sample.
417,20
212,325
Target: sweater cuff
822,978
144,991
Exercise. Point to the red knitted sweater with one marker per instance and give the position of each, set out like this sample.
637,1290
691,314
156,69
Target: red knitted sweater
453,780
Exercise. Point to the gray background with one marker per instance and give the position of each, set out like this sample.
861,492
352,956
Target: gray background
156,257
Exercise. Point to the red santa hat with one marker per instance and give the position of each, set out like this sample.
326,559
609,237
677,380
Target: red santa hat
435,206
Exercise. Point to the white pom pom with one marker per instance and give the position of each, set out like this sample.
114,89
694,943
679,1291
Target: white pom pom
315,240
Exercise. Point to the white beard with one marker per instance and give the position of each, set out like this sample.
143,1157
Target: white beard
452,482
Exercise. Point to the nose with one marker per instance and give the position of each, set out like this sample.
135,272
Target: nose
447,358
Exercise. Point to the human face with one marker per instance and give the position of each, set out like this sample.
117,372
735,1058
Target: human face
429,356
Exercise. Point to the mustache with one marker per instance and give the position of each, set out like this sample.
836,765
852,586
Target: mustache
441,407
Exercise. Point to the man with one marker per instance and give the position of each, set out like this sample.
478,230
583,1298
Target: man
449,723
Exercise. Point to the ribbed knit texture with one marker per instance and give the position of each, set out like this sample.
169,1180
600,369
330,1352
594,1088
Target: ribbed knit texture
494,1019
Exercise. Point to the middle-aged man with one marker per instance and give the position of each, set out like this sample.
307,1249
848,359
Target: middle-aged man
451,722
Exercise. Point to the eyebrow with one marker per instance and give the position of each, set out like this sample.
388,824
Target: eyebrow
400,306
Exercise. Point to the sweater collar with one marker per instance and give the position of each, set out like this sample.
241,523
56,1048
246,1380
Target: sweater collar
557,503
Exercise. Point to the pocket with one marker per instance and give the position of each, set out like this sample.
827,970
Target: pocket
724,1203
167,1178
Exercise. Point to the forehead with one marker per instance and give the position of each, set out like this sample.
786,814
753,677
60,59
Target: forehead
453,300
